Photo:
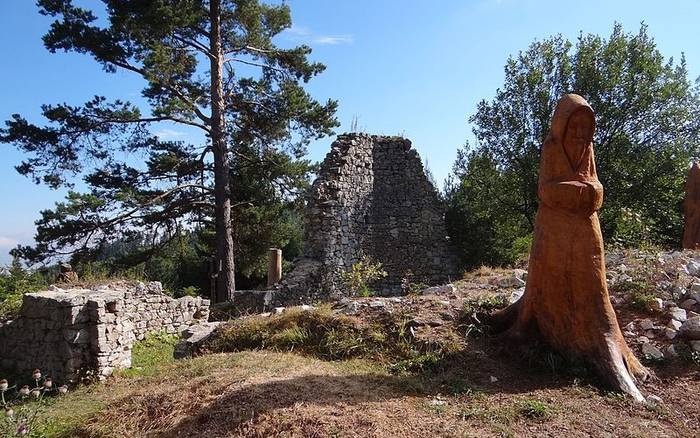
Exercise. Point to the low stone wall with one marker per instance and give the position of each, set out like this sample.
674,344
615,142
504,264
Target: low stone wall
67,332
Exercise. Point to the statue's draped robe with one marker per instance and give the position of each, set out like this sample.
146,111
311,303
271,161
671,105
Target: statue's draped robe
566,297
567,255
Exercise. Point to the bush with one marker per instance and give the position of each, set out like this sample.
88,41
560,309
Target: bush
492,195
361,275
16,283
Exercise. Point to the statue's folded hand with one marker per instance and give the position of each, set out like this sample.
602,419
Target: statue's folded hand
572,196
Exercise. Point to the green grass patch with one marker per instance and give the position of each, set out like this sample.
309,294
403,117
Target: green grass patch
641,292
151,354
476,311
534,409
493,415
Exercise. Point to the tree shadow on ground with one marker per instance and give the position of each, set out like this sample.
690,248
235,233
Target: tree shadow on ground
461,374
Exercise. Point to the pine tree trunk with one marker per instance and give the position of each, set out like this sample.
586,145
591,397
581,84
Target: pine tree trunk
225,282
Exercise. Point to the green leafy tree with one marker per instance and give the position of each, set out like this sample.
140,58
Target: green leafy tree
648,129
15,281
208,64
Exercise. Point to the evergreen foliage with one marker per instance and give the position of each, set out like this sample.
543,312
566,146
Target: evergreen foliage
208,65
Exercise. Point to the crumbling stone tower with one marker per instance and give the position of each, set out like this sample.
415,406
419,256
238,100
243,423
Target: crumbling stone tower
371,198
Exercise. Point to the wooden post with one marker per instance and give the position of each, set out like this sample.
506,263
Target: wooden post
274,267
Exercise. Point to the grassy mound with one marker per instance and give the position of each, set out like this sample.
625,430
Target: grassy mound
322,333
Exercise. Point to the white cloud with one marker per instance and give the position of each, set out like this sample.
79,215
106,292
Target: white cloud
333,39
305,35
6,242
166,133
298,31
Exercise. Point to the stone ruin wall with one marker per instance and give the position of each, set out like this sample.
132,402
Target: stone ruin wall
67,332
372,198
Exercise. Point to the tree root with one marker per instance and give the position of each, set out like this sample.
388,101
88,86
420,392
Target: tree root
606,351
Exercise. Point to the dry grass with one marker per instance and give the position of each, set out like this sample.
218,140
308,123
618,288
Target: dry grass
485,271
260,394
387,338
377,381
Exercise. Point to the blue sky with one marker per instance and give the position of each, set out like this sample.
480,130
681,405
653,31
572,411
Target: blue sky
416,68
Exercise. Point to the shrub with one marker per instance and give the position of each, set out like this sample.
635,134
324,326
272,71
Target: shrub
476,311
16,283
361,274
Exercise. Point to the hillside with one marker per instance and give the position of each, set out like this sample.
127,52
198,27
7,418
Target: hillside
417,365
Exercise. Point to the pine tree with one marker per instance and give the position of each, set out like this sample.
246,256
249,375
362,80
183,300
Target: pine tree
208,64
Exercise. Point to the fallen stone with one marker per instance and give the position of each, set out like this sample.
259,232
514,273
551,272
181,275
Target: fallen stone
678,314
693,268
688,304
691,328
671,351
646,324
650,350
437,402
511,281
416,322
193,338
674,324
515,295
352,308
377,304
520,273
444,289
695,346
669,333
653,401
278,310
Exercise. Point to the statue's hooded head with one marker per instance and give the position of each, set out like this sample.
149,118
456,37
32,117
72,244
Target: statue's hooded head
573,125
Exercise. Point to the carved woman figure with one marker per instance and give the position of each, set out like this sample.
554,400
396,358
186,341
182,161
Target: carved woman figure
691,207
566,300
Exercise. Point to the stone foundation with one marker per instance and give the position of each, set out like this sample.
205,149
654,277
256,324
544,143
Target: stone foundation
69,332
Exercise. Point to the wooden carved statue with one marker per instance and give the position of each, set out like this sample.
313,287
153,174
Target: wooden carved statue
691,208
566,302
